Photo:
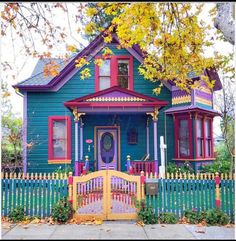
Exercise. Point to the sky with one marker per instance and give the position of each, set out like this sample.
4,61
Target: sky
7,53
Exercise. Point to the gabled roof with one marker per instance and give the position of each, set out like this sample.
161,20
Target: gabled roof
37,82
115,96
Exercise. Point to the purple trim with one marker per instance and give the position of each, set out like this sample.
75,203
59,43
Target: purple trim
193,97
115,110
25,133
203,95
155,145
179,93
81,141
147,139
76,149
190,108
116,94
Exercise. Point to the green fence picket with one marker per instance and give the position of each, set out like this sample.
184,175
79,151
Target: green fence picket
44,198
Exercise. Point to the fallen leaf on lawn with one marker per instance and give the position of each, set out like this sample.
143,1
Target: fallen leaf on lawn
229,225
35,221
200,231
140,223
98,221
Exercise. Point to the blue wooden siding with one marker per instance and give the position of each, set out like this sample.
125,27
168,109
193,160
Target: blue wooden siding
41,105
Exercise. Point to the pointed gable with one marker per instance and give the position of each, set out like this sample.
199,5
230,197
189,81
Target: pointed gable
115,96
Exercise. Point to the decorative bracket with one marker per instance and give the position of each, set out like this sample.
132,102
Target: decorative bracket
154,114
77,115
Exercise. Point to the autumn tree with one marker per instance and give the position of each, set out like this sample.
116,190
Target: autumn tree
160,29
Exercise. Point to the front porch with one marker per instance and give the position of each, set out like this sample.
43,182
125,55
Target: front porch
115,129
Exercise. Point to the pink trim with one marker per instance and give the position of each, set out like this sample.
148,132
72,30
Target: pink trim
204,136
96,77
113,71
50,137
212,141
25,133
217,180
109,90
70,180
217,202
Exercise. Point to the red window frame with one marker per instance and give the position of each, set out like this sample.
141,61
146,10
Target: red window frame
51,158
114,71
204,119
177,152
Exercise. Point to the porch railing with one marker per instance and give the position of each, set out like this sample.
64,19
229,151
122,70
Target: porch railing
135,167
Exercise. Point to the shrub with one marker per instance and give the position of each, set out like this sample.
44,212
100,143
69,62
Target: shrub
17,214
194,217
146,213
216,216
169,218
62,211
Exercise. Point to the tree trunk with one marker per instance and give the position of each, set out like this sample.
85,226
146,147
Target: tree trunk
224,20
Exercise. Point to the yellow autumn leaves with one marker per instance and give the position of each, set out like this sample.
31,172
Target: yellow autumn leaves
170,33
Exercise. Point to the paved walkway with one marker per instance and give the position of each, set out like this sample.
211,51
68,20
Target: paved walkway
115,230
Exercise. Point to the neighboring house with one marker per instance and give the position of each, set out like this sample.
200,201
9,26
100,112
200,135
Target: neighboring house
112,114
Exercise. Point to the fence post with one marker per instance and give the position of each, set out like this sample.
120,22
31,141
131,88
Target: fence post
217,190
142,178
70,183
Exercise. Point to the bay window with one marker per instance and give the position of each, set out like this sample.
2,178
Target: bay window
59,139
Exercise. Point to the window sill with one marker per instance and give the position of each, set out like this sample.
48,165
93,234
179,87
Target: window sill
61,161
197,159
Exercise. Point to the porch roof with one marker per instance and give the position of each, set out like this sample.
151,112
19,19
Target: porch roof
191,108
116,98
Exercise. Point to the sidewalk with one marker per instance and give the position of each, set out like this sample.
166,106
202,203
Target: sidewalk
115,230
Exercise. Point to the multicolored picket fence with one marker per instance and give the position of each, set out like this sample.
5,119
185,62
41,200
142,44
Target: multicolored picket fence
172,193
37,194
176,194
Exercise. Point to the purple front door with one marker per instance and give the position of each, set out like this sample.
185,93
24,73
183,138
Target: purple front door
107,143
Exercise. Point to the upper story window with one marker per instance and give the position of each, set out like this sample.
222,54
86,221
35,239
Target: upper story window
59,139
105,75
123,73
118,70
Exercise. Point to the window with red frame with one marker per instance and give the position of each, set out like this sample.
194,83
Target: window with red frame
59,147
183,138
200,138
208,138
117,70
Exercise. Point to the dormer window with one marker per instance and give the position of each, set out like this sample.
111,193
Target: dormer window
118,70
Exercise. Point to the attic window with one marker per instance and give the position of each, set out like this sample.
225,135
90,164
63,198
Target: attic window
132,136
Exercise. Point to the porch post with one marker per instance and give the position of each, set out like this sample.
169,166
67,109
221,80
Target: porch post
154,115
147,137
77,117
81,139
76,149
155,144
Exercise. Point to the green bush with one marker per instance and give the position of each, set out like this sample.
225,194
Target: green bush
169,218
17,214
64,170
216,217
194,217
184,168
146,213
62,211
